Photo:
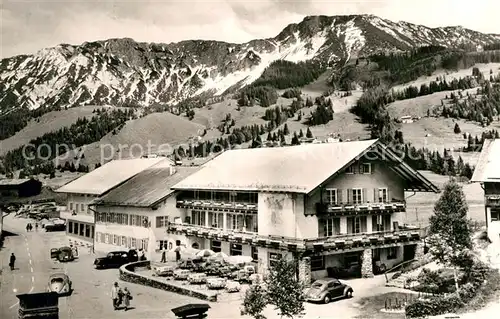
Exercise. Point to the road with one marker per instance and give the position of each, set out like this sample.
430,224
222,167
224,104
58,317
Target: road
91,296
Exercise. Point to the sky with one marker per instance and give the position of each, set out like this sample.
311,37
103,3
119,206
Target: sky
30,25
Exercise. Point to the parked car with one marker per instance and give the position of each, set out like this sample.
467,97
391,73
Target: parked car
63,254
59,283
51,226
181,274
328,290
116,259
165,271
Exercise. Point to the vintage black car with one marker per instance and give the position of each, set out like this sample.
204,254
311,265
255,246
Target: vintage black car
116,259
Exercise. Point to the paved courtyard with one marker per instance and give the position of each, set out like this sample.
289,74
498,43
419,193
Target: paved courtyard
91,297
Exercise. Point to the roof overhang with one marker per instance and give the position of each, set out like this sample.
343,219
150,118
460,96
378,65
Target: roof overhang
417,181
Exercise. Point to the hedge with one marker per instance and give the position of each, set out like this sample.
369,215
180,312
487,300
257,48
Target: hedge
128,274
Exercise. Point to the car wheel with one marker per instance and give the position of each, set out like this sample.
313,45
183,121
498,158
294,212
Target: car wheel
326,299
348,294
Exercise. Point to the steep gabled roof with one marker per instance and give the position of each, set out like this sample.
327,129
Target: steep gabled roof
488,168
108,176
293,169
146,188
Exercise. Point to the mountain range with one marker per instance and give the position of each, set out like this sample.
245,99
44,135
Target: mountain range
123,71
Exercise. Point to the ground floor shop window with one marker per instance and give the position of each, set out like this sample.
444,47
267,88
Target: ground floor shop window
216,246
236,250
495,215
87,231
273,258
124,241
392,253
70,227
317,263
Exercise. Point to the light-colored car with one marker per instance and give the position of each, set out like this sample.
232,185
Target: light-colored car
327,290
164,271
181,274
197,278
60,284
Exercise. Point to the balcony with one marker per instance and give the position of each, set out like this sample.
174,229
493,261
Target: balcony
363,208
492,200
376,239
81,217
344,242
217,205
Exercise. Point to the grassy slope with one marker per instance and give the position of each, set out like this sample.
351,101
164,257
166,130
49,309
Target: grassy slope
157,129
49,122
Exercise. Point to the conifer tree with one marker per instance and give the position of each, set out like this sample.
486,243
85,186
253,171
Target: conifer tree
309,134
301,134
285,129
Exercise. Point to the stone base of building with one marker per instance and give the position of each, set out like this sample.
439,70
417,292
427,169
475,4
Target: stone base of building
305,271
367,263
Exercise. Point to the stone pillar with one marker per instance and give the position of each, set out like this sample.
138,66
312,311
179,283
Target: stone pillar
305,270
366,264
419,251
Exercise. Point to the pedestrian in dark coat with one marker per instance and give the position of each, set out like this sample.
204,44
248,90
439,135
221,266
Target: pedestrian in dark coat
127,296
12,261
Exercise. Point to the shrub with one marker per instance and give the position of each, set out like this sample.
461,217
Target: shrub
435,282
433,306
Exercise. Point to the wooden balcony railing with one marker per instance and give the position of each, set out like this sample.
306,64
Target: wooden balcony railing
492,200
352,208
342,241
215,204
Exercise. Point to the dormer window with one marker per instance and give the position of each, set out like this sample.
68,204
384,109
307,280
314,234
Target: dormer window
350,170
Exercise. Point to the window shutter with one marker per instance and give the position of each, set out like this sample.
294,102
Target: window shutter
349,195
364,199
339,194
375,195
389,199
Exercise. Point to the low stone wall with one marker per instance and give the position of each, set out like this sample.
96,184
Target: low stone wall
128,274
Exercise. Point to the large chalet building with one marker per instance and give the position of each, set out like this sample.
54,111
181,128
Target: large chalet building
487,172
80,221
331,206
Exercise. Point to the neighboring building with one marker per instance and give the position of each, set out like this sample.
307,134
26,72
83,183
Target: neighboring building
487,172
20,187
136,213
338,204
82,191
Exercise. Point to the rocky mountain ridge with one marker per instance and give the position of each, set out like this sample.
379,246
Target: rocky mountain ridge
123,71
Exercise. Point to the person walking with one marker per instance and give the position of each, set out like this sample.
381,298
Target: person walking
127,296
164,254
36,226
115,295
12,261
28,227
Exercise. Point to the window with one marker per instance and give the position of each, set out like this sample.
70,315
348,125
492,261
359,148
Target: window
255,253
163,244
198,218
82,229
495,215
331,195
332,227
82,207
383,195
132,220
70,227
215,246
70,206
392,253
106,238
350,170
356,224
87,231
144,244
366,168
161,221
115,240
118,240
381,223
235,250
133,242
124,241
216,220
317,263
273,258
376,254
357,195
77,206
103,237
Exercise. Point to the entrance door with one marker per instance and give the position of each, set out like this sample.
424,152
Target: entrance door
409,252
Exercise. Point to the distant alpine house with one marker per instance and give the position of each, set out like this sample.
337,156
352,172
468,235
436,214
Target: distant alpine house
336,207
